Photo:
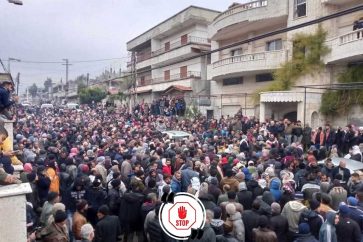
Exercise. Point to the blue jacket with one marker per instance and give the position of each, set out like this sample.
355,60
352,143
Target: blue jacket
175,185
187,175
5,98
275,189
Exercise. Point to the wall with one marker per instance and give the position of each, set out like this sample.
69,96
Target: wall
13,212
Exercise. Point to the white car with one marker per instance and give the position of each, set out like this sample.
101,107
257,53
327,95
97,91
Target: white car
176,134
352,165
72,106
47,105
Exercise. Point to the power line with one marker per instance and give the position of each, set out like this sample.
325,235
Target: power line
74,62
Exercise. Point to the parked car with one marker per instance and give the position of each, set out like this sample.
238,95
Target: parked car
72,106
176,134
47,105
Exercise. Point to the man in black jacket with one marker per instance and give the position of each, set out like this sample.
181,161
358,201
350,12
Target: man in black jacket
5,102
250,220
347,229
130,213
278,223
108,228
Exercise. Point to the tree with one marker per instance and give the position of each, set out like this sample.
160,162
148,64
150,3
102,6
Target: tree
33,90
80,87
47,84
88,95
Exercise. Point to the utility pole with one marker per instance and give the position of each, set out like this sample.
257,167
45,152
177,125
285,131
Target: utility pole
17,83
67,69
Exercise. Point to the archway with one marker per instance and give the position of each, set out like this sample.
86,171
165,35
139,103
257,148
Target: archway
314,120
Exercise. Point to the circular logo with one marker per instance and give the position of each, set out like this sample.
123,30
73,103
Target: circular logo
179,218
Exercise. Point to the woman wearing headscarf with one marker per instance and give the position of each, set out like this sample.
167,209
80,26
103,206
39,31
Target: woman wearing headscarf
327,231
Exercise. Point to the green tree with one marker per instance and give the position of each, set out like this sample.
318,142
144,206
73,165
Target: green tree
80,87
33,90
88,95
47,84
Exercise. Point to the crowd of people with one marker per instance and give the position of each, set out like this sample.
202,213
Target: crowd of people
98,175
163,106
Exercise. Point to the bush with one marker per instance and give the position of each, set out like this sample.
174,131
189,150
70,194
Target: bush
88,95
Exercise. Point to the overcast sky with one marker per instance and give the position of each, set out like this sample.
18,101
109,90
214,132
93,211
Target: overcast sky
51,30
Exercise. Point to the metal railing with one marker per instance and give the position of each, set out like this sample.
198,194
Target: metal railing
172,46
351,37
241,8
175,77
179,43
240,58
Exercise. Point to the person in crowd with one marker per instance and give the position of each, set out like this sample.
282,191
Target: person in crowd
312,218
327,231
108,228
278,223
236,218
52,199
87,233
79,219
263,233
56,231
304,234
347,229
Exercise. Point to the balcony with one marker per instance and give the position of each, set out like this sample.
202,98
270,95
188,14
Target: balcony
346,48
175,77
176,50
248,64
249,17
340,2
179,43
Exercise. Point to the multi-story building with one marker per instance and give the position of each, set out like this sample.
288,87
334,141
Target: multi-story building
159,56
238,72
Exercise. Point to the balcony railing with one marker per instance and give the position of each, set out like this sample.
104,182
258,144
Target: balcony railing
175,77
351,37
240,58
241,8
173,45
143,56
144,82
179,43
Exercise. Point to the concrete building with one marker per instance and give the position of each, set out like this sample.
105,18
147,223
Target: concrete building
157,56
236,73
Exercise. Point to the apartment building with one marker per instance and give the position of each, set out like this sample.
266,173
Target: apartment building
160,56
236,73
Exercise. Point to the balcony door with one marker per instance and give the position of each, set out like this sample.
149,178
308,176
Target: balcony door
167,75
183,72
167,46
184,39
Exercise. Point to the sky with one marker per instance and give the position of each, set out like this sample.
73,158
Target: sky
52,30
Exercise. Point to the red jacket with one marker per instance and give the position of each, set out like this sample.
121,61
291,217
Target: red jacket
167,170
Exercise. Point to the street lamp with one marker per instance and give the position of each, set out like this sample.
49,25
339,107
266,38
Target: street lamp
9,60
16,2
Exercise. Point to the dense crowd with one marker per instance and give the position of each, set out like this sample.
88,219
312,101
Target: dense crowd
98,175
163,106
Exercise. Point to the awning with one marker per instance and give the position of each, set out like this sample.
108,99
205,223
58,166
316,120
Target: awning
143,91
179,88
290,96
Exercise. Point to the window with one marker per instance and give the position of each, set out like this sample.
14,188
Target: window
300,8
274,45
142,81
183,72
236,52
167,46
265,77
232,81
167,75
184,39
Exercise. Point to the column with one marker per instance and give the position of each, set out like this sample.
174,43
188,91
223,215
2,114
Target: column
13,208
262,111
